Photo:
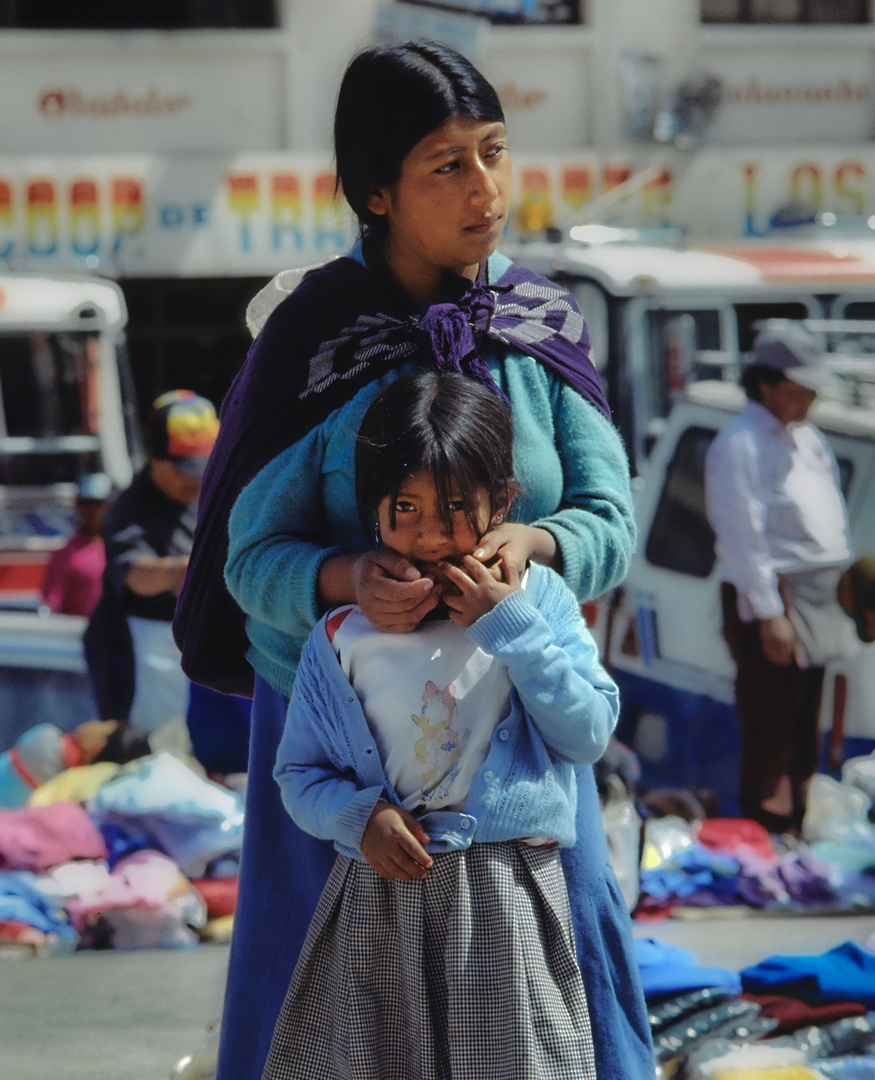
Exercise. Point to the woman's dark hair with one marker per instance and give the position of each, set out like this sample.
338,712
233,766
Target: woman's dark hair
450,425
755,374
124,744
392,96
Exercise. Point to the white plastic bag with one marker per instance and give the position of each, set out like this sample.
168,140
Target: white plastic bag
837,812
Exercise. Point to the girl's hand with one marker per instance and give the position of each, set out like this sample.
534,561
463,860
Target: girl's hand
391,592
517,545
477,588
392,844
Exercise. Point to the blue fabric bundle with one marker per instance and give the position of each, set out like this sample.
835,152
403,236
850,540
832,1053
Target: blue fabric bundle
845,973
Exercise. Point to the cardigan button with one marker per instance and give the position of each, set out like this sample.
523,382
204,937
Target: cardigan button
464,824
504,734
489,777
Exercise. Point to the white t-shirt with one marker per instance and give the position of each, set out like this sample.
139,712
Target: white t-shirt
432,699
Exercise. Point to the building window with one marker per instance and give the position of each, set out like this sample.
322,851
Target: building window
513,12
138,14
785,11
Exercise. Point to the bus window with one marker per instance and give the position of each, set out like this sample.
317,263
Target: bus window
49,395
748,315
674,340
680,537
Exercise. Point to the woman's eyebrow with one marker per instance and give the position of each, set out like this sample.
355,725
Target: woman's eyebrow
442,151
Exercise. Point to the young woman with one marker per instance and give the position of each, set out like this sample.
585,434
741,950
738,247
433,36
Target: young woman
423,161
441,764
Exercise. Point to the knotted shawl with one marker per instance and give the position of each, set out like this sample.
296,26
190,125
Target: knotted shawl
344,326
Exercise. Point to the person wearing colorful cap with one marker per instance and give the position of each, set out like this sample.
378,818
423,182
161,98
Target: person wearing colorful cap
774,501
148,533
74,574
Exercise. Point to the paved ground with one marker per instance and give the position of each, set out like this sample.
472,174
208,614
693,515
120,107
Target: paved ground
107,1015
131,1016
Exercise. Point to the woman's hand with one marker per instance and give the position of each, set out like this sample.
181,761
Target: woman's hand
392,844
516,545
477,588
392,593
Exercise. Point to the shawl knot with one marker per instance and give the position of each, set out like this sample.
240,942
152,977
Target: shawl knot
453,329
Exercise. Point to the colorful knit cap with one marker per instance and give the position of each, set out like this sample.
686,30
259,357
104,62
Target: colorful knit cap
182,428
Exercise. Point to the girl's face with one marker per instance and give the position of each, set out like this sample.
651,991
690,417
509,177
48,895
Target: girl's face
449,206
420,534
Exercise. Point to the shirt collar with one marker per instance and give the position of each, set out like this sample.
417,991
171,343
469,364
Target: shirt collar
765,419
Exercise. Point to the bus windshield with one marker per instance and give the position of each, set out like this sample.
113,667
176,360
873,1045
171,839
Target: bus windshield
49,399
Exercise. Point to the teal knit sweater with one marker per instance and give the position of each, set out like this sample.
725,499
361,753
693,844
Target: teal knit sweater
569,461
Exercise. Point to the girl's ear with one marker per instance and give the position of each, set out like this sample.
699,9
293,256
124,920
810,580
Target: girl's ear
504,503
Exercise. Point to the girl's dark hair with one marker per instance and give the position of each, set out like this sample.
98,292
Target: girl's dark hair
392,96
124,744
754,374
454,427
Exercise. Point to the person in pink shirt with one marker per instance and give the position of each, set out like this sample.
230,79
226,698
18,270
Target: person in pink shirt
74,577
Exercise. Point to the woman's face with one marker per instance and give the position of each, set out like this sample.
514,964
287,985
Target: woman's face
449,206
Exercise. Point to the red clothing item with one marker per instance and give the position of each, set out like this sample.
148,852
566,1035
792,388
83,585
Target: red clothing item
74,576
793,1014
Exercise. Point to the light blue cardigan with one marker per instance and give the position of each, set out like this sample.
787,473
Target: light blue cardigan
301,508
563,709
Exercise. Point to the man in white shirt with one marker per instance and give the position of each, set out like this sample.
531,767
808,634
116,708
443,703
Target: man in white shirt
775,504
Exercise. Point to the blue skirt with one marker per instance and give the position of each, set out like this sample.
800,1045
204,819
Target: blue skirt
284,870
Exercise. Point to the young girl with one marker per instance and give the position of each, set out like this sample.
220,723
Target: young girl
441,764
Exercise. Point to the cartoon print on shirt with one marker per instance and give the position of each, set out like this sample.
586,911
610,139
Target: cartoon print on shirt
440,746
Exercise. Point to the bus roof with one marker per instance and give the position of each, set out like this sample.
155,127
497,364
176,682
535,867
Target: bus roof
53,303
632,269
828,414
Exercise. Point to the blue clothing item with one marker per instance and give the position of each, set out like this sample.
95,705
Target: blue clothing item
218,726
563,708
845,973
848,1068
38,756
301,508
22,901
284,870
667,969
14,789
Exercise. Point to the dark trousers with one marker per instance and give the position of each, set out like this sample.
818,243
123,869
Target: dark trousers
777,707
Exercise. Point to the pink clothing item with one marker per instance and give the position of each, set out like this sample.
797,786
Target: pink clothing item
39,837
145,900
74,576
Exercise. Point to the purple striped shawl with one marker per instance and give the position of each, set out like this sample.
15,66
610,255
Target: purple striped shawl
344,326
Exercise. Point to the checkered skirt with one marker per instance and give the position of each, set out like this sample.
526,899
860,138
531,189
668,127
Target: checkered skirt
470,972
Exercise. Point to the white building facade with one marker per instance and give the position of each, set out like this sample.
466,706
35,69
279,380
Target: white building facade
194,143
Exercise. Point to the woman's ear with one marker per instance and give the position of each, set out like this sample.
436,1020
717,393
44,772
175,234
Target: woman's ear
378,202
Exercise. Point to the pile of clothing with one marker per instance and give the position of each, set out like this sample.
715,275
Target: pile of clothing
715,862
134,856
785,1018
